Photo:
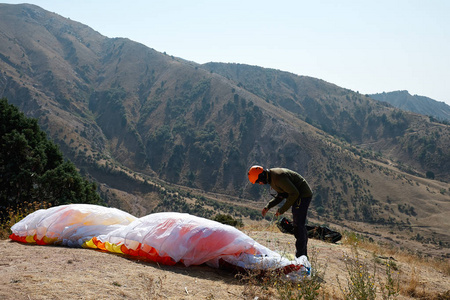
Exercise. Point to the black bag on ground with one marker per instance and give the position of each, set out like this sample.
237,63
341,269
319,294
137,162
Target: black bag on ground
285,226
323,233
316,232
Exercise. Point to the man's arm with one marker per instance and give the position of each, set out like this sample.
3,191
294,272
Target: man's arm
293,194
274,202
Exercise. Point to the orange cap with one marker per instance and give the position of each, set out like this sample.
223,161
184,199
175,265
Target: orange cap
254,172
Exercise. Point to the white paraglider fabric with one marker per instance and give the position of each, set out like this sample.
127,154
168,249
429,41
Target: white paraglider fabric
167,238
69,225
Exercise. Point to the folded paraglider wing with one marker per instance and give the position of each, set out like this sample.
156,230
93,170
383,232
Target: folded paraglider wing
69,225
166,238
182,237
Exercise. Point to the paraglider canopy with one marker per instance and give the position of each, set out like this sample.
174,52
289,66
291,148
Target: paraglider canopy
167,238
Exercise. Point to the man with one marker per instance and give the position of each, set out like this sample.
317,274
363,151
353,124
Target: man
293,187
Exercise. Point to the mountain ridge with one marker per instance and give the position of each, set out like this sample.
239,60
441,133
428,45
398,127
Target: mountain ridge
415,103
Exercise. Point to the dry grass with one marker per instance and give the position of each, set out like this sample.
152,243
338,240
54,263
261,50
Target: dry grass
400,276
14,215
394,274
273,284
404,256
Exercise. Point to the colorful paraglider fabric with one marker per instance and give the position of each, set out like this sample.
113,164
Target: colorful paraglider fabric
166,238
69,225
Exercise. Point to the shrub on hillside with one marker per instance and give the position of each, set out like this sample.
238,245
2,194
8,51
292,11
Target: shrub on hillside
228,220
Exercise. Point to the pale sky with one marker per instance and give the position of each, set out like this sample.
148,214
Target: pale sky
365,46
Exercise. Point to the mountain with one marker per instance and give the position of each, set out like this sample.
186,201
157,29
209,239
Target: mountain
418,104
157,132
357,119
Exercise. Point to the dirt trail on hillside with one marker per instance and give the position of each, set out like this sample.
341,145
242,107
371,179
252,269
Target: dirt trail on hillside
47,272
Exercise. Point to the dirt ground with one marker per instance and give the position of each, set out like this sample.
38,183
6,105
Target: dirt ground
50,272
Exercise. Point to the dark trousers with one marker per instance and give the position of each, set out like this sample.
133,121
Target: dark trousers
299,212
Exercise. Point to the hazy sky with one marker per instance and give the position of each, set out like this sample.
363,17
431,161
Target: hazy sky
365,46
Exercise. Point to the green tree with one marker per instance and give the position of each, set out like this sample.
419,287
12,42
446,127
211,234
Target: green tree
32,167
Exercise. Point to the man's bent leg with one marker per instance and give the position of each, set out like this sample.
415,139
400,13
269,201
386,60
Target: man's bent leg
301,234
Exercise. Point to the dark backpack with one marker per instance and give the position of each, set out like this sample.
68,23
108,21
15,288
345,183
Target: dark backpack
316,232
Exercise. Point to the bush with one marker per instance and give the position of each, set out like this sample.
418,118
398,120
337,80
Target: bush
228,220
360,281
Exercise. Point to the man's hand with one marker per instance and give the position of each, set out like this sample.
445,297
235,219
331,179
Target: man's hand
277,214
264,211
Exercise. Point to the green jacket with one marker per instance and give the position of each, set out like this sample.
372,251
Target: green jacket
288,184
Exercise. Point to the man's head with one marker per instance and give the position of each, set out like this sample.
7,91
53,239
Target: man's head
257,174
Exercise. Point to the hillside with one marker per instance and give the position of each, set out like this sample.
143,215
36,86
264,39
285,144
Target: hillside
418,104
160,133
360,121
